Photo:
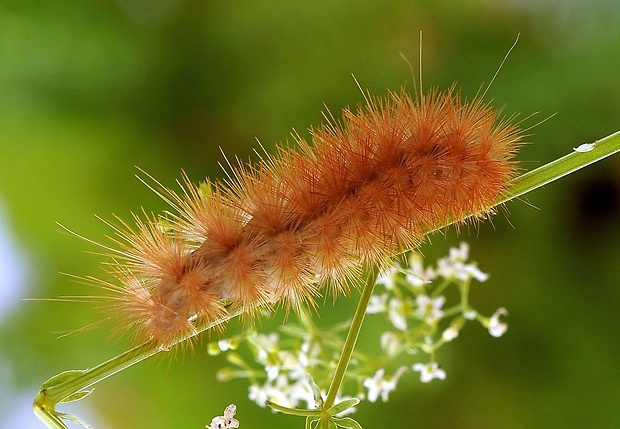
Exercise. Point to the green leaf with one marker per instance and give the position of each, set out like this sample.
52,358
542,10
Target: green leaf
311,422
77,396
292,411
75,420
343,406
316,391
347,422
63,377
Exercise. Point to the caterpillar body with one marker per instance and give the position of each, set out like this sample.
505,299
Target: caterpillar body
282,230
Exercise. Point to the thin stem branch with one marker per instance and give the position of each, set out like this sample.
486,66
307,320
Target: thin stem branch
352,335
49,396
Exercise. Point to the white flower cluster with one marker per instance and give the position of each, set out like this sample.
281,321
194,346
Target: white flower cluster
227,421
287,366
378,384
413,299
286,371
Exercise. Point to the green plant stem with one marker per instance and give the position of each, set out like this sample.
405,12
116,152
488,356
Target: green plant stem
49,396
352,335
47,399
561,167
56,393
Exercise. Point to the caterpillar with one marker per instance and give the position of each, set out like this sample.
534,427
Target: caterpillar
281,231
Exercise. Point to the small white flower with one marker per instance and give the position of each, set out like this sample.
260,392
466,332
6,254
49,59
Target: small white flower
397,313
391,342
454,266
226,421
268,343
290,361
224,345
267,353
377,304
272,371
476,273
217,423
496,327
273,391
429,371
459,254
300,391
282,391
379,385
416,275
450,333
259,394
430,308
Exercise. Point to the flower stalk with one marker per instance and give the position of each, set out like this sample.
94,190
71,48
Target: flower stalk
352,336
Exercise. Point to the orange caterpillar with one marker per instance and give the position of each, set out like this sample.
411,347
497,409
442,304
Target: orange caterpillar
279,231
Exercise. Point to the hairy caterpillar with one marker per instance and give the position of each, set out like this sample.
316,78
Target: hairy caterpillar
364,190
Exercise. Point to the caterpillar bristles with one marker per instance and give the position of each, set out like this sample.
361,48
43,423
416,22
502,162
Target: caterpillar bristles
280,232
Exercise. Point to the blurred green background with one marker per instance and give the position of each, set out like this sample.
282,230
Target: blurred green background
91,89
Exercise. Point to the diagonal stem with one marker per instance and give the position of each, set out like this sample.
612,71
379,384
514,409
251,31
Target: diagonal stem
49,396
561,167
